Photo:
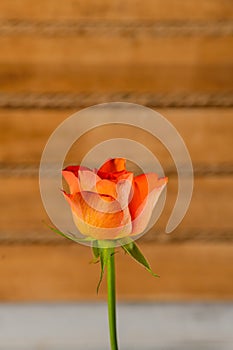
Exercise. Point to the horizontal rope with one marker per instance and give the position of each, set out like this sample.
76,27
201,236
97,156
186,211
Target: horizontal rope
31,170
190,235
70,100
64,28
157,236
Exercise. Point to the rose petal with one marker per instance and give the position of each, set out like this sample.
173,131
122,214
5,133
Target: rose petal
98,219
101,200
72,181
107,187
113,165
124,189
70,174
88,180
113,169
147,189
75,169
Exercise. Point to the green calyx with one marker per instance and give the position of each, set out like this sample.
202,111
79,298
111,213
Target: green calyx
104,249
102,254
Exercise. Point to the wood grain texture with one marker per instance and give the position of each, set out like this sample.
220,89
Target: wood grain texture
57,55
129,9
145,50
125,78
43,50
62,273
99,64
206,132
91,64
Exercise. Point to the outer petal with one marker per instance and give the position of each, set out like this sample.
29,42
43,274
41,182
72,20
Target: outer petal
124,189
72,181
70,174
147,189
99,216
75,169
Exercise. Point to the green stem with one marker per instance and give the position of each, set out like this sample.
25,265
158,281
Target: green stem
111,299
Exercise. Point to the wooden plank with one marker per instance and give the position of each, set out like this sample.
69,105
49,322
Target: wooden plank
109,78
203,131
23,217
188,272
160,10
144,50
87,64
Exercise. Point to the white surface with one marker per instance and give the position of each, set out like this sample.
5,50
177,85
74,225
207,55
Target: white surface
141,326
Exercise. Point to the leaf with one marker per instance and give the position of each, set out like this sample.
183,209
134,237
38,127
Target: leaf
104,256
96,253
95,250
130,247
70,235
60,233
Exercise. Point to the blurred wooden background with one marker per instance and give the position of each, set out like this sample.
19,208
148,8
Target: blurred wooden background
174,56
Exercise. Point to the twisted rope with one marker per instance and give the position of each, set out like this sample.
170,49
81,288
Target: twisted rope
70,100
132,29
31,170
155,236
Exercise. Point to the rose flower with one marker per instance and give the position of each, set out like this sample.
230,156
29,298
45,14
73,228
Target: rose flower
111,203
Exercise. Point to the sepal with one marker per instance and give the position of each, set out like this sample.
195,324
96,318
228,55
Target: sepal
104,254
96,253
131,248
70,235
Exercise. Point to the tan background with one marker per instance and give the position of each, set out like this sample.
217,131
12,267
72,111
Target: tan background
174,56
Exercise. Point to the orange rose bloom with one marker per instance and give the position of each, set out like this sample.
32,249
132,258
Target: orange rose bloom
111,203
